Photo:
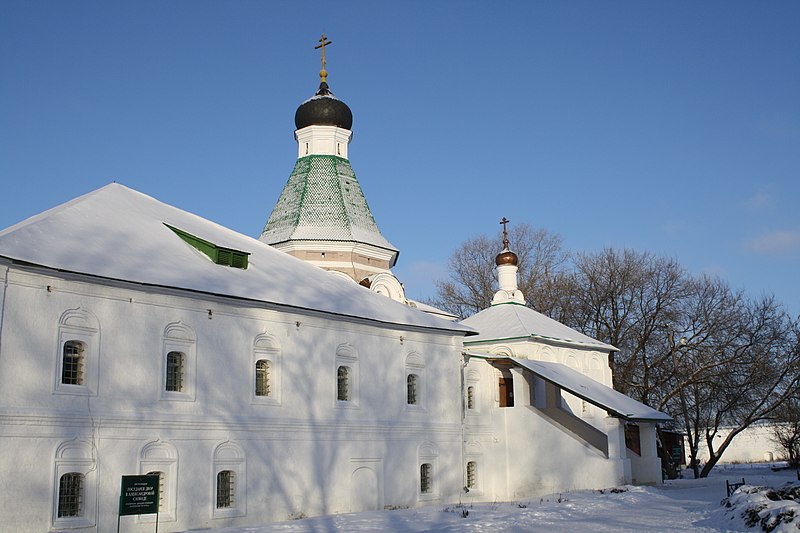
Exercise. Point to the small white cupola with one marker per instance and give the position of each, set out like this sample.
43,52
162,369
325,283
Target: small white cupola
507,261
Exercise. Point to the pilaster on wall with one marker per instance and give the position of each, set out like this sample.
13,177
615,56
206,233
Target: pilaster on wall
617,452
646,469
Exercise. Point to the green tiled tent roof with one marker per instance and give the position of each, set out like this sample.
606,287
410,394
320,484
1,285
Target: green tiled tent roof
323,201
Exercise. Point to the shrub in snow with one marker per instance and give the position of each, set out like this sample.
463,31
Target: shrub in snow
768,508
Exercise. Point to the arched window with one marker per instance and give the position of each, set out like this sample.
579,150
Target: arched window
472,475
179,361
346,371
426,478
226,483
175,372
415,382
72,365
411,386
262,377
265,379
160,459
70,495
229,481
77,353
343,384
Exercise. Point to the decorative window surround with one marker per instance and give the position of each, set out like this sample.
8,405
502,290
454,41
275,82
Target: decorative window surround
347,360
427,488
179,338
229,457
158,456
75,457
266,348
415,371
77,328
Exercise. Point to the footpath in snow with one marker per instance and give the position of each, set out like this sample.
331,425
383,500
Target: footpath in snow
678,505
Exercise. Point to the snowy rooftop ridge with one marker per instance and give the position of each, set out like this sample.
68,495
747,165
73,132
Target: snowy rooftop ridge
514,321
118,233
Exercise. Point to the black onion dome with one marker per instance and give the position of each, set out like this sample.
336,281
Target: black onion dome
323,109
506,257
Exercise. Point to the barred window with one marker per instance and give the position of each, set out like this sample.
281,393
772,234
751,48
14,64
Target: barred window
73,363
472,475
262,377
343,384
174,372
425,478
70,495
470,397
411,393
161,489
225,492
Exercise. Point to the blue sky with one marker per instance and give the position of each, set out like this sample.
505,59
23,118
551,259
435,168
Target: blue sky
672,127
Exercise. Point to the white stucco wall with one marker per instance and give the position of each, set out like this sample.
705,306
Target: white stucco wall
302,453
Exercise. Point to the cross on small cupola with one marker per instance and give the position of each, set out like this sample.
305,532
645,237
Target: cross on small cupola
505,222
506,257
323,42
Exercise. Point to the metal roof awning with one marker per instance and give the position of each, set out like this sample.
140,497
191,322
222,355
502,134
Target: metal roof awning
588,389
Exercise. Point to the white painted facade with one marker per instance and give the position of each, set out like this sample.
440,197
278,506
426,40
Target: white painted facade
297,451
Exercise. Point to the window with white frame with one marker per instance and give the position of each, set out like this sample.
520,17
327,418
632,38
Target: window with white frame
262,377
411,389
175,369
226,489
179,363
472,393
78,347
266,376
427,458
415,381
70,495
73,363
346,385
228,494
161,458
472,475
75,490
343,384
426,478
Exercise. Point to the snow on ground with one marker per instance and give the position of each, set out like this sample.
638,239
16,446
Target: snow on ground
678,505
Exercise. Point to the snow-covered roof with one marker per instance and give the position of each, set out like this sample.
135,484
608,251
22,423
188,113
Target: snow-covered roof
118,233
323,201
593,391
514,321
587,389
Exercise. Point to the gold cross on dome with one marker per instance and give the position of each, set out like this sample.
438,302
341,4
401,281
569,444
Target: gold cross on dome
323,42
504,222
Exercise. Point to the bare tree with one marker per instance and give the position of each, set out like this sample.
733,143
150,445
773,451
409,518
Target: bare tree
624,298
786,430
473,280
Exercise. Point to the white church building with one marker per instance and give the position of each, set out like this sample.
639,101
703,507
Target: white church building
286,376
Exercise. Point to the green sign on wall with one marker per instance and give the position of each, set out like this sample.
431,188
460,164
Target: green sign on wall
138,495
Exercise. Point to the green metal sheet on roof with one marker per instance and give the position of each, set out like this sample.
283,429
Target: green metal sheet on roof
323,201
